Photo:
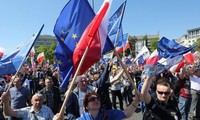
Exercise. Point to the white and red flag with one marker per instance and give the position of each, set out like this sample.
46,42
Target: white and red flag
121,49
142,56
188,57
153,58
40,57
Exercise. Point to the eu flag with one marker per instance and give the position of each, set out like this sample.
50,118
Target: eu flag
169,48
69,27
115,22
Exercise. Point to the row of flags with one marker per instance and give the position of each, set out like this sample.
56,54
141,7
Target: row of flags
40,58
75,36
73,31
169,56
97,34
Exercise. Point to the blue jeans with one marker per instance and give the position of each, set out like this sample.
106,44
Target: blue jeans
184,106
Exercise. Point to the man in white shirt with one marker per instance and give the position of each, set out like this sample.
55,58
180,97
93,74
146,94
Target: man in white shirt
74,107
195,91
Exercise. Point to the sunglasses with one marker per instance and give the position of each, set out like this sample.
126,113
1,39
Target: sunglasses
161,93
92,99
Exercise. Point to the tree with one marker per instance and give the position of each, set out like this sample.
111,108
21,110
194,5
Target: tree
197,44
153,45
48,52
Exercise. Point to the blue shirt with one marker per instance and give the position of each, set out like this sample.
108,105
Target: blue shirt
107,114
26,113
19,98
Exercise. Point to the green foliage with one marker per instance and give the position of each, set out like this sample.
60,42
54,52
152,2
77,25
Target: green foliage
145,38
153,45
197,44
48,52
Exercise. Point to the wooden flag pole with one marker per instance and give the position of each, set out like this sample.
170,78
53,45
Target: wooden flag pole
125,70
61,113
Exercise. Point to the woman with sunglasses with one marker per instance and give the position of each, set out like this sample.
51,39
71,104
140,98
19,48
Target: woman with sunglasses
161,105
94,112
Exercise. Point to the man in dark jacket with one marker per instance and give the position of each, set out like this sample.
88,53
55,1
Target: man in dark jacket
51,95
160,106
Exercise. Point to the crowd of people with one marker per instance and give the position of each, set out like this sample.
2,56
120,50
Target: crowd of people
35,94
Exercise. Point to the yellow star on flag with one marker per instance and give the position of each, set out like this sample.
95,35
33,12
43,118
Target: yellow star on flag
74,36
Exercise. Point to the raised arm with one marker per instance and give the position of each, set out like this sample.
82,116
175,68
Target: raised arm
8,111
115,78
145,89
130,110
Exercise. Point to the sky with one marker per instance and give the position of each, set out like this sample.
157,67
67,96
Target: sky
20,19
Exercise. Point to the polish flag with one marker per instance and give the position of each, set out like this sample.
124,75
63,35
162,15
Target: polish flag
2,50
153,58
120,49
177,67
40,57
94,37
189,58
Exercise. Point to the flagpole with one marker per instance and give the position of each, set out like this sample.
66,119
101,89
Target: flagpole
72,83
118,30
123,51
125,70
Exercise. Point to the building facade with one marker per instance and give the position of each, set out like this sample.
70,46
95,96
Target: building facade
140,41
189,38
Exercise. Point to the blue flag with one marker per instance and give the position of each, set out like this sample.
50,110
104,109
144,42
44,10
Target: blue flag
169,48
125,38
69,27
10,63
115,22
